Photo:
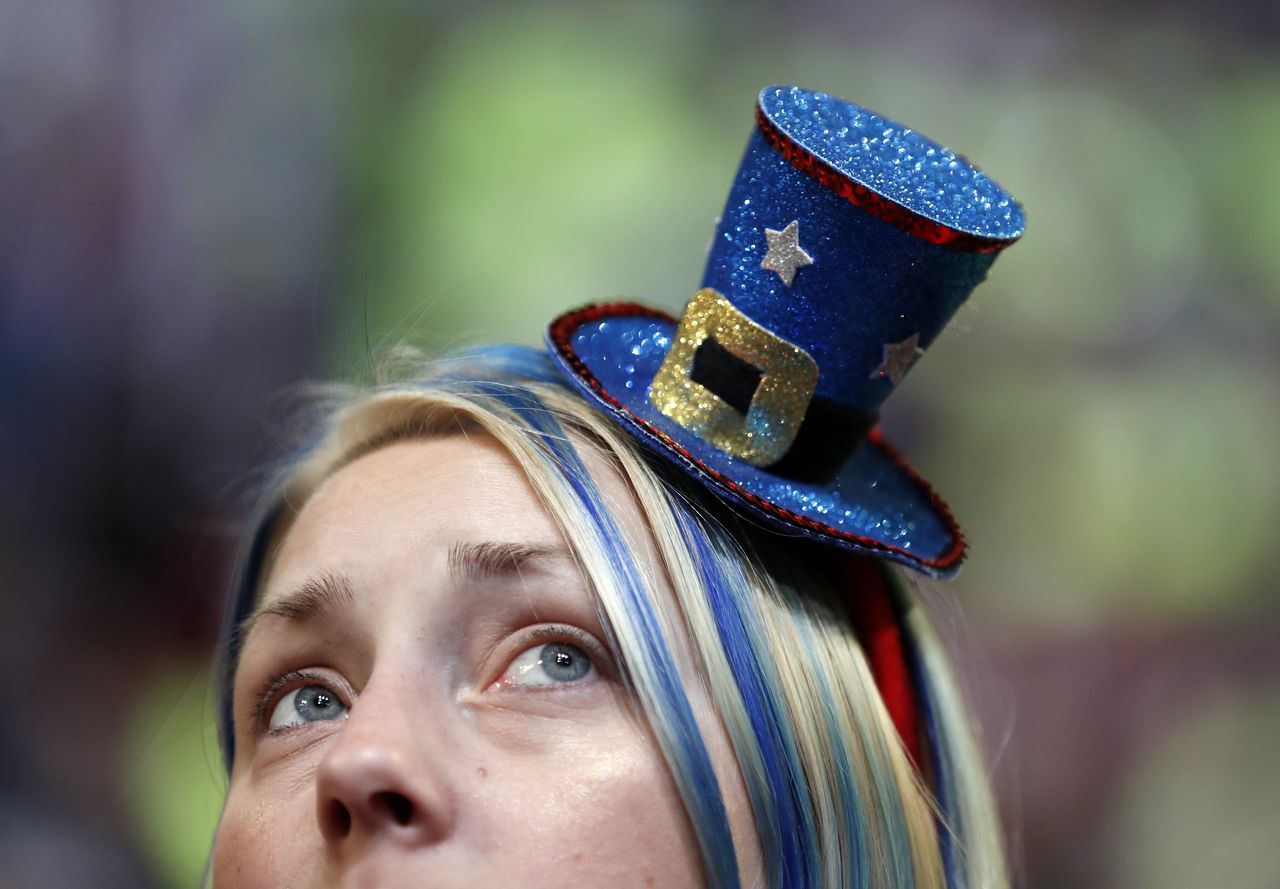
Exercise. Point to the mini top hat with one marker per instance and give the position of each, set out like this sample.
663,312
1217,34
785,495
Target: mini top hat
847,243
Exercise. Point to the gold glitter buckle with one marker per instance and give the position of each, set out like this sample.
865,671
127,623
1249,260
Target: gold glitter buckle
789,376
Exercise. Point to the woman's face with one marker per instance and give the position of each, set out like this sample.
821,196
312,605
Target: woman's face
424,698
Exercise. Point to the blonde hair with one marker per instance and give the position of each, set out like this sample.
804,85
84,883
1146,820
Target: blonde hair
836,800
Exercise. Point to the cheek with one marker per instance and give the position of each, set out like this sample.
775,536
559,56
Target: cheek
604,815
264,843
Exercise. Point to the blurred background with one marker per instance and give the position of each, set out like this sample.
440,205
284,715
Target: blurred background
203,204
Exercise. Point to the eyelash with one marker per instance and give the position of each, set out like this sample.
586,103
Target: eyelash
598,654
269,694
558,633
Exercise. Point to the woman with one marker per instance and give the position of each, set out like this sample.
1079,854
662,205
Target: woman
623,615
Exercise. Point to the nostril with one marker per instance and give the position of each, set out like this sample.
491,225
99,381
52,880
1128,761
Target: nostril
339,819
396,805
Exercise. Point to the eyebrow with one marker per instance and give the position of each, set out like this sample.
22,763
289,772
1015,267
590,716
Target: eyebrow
494,561
319,596
312,600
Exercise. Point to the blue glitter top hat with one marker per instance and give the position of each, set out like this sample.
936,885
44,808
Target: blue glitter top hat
847,243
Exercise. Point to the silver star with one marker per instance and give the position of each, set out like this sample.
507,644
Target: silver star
785,253
898,359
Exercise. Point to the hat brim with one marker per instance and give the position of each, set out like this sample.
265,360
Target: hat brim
876,504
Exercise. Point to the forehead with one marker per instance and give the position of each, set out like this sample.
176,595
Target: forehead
397,500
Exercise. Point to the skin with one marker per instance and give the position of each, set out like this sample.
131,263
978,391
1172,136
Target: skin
451,761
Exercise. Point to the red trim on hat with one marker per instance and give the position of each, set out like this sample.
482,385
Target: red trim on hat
560,332
877,205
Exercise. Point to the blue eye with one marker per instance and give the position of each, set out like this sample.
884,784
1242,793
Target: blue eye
554,663
311,703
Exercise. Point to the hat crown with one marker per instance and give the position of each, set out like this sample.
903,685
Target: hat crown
855,239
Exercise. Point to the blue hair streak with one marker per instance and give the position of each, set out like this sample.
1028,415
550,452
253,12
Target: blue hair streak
669,711
784,807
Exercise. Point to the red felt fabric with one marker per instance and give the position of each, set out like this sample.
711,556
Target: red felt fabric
875,621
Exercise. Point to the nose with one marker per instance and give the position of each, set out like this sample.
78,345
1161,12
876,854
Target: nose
382,780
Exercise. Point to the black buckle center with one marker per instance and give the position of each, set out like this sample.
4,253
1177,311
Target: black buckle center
726,375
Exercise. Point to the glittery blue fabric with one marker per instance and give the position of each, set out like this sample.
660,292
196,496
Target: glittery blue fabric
868,293
871,498
894,161
869,284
